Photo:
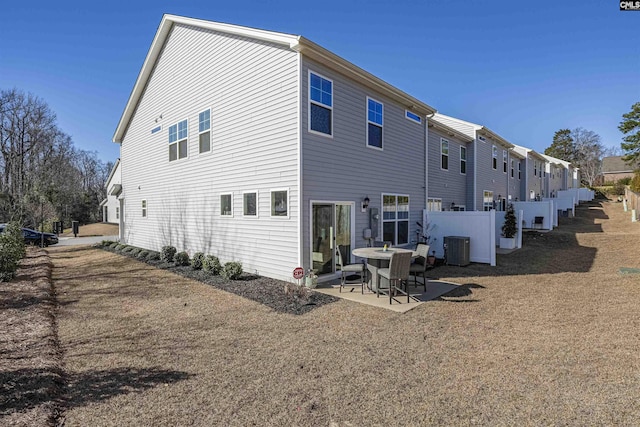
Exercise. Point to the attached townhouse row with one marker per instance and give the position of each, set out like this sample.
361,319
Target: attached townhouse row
268,149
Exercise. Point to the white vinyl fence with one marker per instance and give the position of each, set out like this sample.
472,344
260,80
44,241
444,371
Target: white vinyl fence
530,210
478,226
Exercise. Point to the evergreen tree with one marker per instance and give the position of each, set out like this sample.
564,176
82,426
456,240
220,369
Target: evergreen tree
562,147
630,126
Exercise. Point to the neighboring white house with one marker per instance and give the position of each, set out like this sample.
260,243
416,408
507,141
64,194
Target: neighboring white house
111,206
265,148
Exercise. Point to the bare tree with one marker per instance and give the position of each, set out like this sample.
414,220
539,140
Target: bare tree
588,154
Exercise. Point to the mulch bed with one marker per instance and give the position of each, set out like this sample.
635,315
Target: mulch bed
31,376
270,292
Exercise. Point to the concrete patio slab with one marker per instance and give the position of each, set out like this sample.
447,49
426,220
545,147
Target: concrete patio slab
435,288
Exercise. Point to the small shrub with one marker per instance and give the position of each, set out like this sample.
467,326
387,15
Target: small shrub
624,181
618,189
211,264
135,251
167,253
12,250
143,254
106,243
296,291
114,245
127,249
120,247
182,258
153,256
196,261
232,270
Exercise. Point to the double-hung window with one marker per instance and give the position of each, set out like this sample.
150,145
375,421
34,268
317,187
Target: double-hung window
375,111
250,204
178,141
280,203
444,154
395,219
320,104
226,204
204,131
495,157
504,161
512,168
519,170
463,160
434,204
144,209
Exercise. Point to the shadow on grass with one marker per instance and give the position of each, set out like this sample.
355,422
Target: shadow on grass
461,291
24,389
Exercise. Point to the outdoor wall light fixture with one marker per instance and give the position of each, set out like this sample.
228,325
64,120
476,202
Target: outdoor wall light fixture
365,203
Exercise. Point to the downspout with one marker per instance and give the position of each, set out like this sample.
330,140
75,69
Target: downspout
475,172
426,159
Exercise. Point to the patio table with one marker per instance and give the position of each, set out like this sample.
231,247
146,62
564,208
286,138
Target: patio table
378,258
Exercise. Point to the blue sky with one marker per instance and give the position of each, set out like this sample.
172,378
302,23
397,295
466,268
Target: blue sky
523,69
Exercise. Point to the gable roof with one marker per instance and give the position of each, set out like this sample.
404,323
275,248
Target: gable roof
524,151
294,42
479,129
615,164
115,167
449,130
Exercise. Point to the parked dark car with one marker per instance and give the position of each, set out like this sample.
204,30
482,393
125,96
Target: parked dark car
34,237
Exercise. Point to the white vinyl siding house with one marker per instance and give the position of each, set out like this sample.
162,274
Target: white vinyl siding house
111,205
288,144
488,173
448,185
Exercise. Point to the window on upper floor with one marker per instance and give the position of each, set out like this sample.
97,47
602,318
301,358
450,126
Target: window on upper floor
463,160
519,170
375,111
444,154
320,104
504,161
494,160
204,131
395,219
535,168
412,116
512,168
178,141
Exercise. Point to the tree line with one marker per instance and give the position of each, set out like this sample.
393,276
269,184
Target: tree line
43,176
583,148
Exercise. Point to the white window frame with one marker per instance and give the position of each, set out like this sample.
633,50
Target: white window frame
463,159
487,200
410,115
494,157
204,131
519,170
320,104
380,125
179,140
505,157
434,204
145,208
444,142
397,220
222,214
271,207
244,205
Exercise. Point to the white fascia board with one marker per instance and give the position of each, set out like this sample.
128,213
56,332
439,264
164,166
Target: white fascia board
112,173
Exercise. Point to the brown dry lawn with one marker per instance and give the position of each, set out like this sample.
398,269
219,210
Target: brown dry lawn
97,229
549,337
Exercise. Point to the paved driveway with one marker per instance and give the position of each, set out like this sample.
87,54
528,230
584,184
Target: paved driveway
72,241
